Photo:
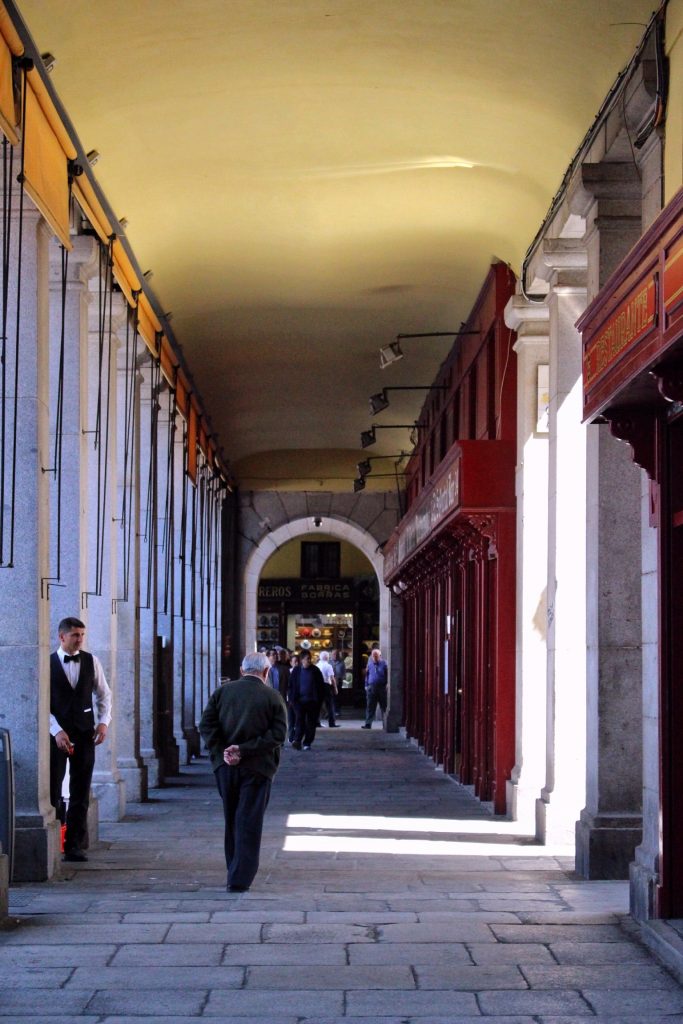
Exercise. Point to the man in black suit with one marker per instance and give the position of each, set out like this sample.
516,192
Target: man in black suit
76,682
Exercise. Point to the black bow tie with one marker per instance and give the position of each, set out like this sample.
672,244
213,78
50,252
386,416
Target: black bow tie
71,657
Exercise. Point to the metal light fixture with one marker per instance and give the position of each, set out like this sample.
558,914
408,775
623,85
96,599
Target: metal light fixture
49,60
368,437
359,485
379,402
364,467
390,354
393,352
92,156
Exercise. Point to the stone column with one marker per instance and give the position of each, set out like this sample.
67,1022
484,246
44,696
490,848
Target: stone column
101,589
644,871
127,623
148,582
177,568
530,321
563,794
25,614
165,739
610,824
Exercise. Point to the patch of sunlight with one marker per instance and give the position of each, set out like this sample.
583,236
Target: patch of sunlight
417,847
371,823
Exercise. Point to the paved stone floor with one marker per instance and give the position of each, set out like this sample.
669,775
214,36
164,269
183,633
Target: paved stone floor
386,893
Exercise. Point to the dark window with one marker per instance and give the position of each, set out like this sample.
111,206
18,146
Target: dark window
320,560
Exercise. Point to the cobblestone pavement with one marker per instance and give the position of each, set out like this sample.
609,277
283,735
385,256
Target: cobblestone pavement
386,893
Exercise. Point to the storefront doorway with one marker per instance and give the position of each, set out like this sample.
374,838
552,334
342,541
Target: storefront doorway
329,601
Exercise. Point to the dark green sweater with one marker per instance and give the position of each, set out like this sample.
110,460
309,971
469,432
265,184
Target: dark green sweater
247,712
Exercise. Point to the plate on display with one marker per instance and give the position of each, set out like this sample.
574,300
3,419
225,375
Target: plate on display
306,644
275,620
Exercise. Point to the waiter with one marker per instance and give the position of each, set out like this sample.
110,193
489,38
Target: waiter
76,727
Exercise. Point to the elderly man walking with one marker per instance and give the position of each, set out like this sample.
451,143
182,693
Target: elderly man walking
244,726
376,681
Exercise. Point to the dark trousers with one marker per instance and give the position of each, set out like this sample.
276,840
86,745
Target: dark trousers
376,694
81,764
291,723
306,723
329,701
245,798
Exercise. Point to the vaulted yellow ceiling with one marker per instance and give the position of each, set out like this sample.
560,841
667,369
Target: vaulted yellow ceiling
308,178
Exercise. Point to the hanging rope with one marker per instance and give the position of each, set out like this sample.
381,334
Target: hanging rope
7,557
56,467
182,545
150,531
103,409
7,183
169,522
127,517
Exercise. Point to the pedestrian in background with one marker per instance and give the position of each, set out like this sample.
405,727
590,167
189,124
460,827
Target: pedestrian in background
376,684
306,693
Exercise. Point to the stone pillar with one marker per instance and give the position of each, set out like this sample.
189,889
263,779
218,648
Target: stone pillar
644,871
610,824
25,614
530,321
179,674
165,628
127,623
101,588
148,581
563,794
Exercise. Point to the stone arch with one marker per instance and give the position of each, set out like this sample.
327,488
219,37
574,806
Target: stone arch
341,528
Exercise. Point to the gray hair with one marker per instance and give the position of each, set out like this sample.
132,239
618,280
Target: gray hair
254,664
324,656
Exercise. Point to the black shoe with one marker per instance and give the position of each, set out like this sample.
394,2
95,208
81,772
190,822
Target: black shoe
297,746
366,727
75,856
238,888
333,725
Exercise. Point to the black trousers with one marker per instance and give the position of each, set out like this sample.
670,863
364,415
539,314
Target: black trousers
81,764
245,797
306,723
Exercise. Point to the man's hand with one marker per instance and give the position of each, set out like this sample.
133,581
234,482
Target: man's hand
100,734
63,742
231,754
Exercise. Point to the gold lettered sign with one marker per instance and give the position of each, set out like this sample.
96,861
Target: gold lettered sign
628,323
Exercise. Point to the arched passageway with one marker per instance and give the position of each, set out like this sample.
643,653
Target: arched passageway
342,529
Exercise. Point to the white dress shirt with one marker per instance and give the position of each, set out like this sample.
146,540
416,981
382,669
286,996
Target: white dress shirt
101,691
327,671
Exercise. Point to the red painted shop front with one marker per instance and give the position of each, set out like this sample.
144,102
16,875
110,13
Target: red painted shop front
452,558
633,379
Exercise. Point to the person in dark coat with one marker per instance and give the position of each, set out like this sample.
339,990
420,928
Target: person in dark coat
244,726
306,694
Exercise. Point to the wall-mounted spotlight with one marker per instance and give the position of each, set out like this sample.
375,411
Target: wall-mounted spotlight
368,437
49,60
92,156
148,275
123,223
393,352
365,467
379,402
